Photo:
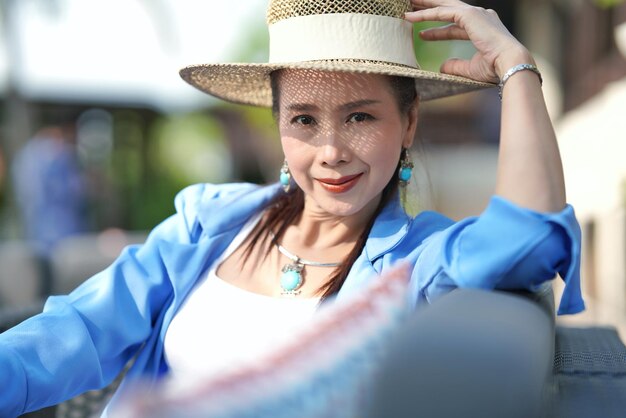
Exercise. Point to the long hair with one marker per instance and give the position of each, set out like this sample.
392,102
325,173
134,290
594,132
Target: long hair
285,208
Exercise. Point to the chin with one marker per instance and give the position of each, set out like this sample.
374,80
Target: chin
343,210
345,204
338,207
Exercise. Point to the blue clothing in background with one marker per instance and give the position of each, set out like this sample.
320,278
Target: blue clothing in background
50,191
83,340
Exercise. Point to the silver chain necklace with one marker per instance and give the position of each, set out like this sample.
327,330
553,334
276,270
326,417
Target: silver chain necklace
291,279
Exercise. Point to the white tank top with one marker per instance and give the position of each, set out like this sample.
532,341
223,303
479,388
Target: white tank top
220,326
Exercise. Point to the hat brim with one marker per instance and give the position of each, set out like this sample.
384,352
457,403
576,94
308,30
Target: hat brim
249,83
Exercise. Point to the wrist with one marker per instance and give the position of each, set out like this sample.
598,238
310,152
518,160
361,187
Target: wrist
516,69
518,56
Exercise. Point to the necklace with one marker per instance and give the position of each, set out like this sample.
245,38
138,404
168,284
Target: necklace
291,279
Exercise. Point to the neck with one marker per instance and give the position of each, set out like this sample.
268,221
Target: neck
317,229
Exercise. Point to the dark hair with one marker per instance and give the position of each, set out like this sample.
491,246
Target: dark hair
284,208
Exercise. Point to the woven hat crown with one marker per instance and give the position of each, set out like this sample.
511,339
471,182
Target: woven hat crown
284,9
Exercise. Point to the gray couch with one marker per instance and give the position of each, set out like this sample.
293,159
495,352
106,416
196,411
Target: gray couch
472,354
494,354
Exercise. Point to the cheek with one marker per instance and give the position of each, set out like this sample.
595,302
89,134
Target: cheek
298,153
383,155
384,164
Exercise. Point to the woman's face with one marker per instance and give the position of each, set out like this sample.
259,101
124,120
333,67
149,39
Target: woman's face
342,134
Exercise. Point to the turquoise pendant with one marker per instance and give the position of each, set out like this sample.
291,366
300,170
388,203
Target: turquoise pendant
291,279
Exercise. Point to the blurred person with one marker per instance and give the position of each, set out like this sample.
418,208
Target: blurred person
50,191
239,265
2,175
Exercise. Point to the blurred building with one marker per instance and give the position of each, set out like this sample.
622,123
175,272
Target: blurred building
585,44
593,143
140,116
142,133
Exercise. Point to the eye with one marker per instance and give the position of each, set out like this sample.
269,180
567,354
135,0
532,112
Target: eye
359,117
303,120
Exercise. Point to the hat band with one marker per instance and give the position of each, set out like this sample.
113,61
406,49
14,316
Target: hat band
342,36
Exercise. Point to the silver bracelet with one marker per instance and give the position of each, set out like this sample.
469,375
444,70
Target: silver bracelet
516,69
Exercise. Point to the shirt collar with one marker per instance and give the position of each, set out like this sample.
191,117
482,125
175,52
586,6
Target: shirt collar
220,214
389,228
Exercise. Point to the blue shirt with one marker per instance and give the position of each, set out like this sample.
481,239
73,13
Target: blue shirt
83,340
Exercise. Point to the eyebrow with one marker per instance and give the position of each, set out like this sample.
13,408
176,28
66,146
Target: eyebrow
346,106
301,107
358,103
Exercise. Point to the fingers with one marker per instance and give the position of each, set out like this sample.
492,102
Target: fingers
451,11
429,4
425,4
436,14
473,20
455,66
469,69
445,33
418,5
482,27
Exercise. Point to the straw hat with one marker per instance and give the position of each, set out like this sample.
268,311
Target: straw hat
364,36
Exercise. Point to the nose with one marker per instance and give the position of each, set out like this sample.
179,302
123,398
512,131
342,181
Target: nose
334,150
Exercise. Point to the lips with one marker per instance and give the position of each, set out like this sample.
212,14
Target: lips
340,185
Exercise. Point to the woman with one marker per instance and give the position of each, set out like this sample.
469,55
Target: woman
346,108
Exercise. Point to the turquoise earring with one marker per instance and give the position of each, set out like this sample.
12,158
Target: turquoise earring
406,168
285,177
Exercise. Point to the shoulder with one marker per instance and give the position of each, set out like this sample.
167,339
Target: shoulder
431,221
205,207
395,235
189,199
427,224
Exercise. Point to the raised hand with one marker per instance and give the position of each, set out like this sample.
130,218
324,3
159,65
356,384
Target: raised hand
497,49
529,166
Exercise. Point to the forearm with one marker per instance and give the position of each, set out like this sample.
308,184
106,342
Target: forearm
506,247
13,387
530,172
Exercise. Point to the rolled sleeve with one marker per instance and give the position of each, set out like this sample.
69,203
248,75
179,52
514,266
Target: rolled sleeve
507,247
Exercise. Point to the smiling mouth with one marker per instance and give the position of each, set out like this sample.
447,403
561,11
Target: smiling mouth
340,185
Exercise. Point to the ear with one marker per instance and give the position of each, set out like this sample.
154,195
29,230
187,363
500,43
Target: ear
411,127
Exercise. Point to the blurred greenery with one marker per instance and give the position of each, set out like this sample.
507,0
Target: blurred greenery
430,55
189,148
608,3
253,46
179,150
260,119
253,43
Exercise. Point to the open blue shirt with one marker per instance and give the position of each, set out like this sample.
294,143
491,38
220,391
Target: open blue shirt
83,340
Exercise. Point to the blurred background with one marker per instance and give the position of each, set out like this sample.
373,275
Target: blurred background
98,132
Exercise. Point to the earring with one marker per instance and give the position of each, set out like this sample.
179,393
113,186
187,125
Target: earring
406,168
285,177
